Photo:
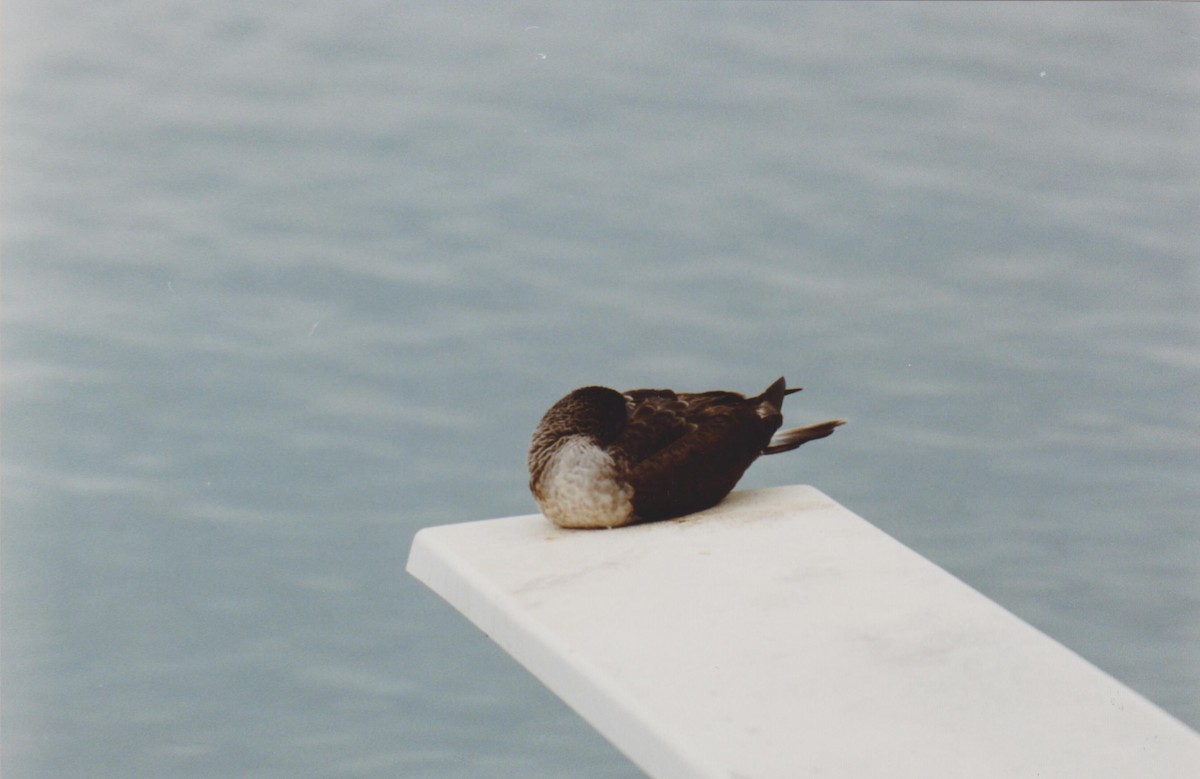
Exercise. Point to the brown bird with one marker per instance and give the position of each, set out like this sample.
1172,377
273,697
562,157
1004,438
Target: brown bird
602,458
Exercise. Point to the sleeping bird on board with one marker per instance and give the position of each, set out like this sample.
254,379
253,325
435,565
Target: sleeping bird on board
602,458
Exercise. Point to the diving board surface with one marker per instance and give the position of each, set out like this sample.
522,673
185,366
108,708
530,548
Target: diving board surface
778,635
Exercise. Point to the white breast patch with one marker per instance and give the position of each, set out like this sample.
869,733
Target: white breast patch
580,488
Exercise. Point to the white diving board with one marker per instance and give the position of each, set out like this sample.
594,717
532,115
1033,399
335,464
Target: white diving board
779,636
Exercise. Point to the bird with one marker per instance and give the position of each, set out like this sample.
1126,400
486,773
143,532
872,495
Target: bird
600,458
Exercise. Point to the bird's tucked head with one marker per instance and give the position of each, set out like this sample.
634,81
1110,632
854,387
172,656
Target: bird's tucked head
596,412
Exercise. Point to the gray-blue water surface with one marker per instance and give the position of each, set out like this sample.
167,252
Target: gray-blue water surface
286,282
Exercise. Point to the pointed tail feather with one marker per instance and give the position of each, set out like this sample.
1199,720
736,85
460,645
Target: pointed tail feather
787,440
775,393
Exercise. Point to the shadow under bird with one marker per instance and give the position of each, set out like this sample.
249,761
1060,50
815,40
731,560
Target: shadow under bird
602,458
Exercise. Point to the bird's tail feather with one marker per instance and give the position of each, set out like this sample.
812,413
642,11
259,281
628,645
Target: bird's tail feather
775,393
787,440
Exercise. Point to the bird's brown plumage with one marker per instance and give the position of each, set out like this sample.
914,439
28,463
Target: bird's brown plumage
651,454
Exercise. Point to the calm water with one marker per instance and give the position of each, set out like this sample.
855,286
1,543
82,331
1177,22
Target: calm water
285,282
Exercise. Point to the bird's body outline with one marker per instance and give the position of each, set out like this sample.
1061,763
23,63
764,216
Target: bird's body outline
602,458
